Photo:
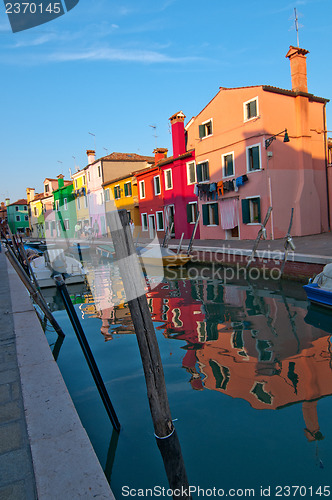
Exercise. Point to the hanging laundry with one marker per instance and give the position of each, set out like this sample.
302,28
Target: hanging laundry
239,181
220,188
245,178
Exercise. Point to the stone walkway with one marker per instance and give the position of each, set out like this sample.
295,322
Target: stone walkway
17,480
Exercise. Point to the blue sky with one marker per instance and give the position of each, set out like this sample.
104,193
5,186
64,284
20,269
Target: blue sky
115,68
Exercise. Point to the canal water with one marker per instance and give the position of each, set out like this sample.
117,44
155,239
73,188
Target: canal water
248,369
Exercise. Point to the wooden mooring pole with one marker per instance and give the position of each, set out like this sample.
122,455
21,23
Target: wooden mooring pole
134,287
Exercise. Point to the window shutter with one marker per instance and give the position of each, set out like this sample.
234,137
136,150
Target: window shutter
189,213
255,158
259,209
205,209
216,213
126,189
201,131
245,212
199,172
206,169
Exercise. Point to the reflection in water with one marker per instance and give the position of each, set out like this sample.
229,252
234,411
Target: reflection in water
244,342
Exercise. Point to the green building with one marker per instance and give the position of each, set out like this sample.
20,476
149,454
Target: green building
18,217
65,208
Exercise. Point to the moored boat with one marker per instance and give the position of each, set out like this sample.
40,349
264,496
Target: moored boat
56,262
319,289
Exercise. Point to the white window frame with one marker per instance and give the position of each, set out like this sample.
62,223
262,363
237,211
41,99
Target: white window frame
78,203
76,184
155,186
36,212
107,194
56,206
157,220
205,123
222,165
145,227
250,198
65,204
118,190
84,179
66,224
193,211
167,187
142,189
99,171
200,163
85,201
245,115
260,158
192,162
131,189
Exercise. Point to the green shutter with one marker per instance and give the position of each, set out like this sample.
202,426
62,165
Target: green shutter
189,213
126,189
255,158
205,209
216,213
199,172
129,188
201,131
259,209
245,212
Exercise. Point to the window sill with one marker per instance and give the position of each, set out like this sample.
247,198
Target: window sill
212,225
205,137
256,170
253,224
228,177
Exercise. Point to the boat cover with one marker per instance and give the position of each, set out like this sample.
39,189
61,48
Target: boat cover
324,279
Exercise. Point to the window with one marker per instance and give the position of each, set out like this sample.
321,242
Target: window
156,182
107,195
47,188
227,162
205,129
66,221
251,210
191,172
192,212
65,204
210,214
250,109
26,217
99,171
18,218
160,221
84,179
127,188
78,203
117,192
35,210
56,206
17,208
253,158
47,225
168,179
76,184
142,189
25,208
144,218
202,171
89,176
101,198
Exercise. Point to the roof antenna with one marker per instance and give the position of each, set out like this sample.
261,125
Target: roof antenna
155,132
297,25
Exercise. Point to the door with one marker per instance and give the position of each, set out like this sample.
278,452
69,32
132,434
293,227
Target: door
152,226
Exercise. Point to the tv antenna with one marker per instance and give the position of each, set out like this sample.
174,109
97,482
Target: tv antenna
297,25
155,132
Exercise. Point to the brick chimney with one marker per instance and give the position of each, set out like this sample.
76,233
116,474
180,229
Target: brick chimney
61,182
298,64
91,156
178,134
30,194
160,154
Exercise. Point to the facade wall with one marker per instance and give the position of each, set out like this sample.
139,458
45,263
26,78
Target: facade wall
13,213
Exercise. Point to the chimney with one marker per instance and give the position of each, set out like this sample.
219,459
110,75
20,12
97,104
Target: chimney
30,194
160,154
91,156
178,134
61,182
298,64
7,201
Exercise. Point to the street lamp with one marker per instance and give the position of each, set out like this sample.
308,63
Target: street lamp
269,141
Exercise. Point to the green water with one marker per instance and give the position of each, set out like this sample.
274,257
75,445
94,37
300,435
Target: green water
247,369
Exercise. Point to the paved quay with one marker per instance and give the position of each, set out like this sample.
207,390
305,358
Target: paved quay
45,453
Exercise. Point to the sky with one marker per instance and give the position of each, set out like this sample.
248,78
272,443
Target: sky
119,69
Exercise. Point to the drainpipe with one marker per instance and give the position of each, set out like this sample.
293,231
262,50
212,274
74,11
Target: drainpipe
326,168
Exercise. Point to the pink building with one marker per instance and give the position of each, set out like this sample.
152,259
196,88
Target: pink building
245,163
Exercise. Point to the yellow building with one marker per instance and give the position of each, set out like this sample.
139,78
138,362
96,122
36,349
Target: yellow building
122,192
80,190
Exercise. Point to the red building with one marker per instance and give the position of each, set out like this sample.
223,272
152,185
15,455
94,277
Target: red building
166,191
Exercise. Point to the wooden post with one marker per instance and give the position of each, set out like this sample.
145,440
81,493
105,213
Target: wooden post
134,287
288,244
36,296
258,238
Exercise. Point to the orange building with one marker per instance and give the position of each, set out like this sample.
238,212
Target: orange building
262,146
